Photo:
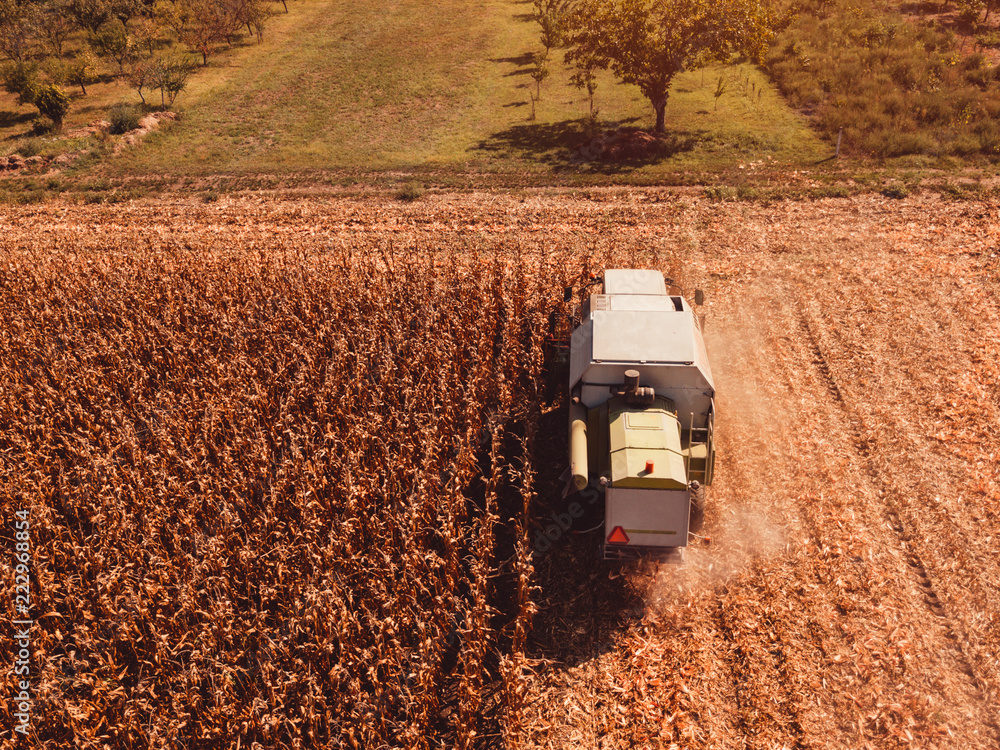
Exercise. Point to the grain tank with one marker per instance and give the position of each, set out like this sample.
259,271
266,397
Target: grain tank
642,412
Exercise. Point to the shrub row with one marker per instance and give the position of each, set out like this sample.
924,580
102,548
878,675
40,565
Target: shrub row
894,86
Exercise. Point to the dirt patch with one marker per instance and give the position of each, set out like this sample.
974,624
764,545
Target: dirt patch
147,124
98,126
16,161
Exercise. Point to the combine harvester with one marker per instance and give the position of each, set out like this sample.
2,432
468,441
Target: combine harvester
642,409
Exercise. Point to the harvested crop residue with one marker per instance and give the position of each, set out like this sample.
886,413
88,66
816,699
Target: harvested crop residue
294,399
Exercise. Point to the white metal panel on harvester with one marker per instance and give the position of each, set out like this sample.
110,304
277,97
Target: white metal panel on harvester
623,302
643,336
639,327
633,281
701,356
581,350
689,386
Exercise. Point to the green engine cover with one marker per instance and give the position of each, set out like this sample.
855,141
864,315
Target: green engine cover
641,438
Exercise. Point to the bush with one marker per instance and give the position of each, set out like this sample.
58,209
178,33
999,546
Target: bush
29,148
56,70
965,144
411,191
895,88
123,118
22,79
889,143
52,102
988,131
43,126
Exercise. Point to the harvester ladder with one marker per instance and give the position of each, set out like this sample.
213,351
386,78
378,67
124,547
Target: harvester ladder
700,440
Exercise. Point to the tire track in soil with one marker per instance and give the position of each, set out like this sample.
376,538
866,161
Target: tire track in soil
749,704
940,365
878,711
917,569
939,358
825,594
774,653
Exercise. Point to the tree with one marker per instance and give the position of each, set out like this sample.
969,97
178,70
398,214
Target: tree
81,70
254,14
126,10
585,77
539,72
140,76
113,41
720,89
55,25
167,75
551,16
146,32
21,78
648,42
170,76
90,14
17,36
203,25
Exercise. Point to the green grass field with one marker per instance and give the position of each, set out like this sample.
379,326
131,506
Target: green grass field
441,88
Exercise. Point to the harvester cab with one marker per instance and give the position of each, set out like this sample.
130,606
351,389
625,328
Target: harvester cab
642,412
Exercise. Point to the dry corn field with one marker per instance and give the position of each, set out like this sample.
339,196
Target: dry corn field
288,465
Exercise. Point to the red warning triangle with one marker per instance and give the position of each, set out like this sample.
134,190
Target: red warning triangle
618,536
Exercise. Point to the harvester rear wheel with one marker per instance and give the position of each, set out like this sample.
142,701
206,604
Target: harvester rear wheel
697,519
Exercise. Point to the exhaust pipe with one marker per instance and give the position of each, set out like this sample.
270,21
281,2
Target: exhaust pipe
634,395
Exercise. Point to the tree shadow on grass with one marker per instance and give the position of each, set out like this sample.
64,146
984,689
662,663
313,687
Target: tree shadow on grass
558,145
548,143
525,58
10,119
521,62
102,108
